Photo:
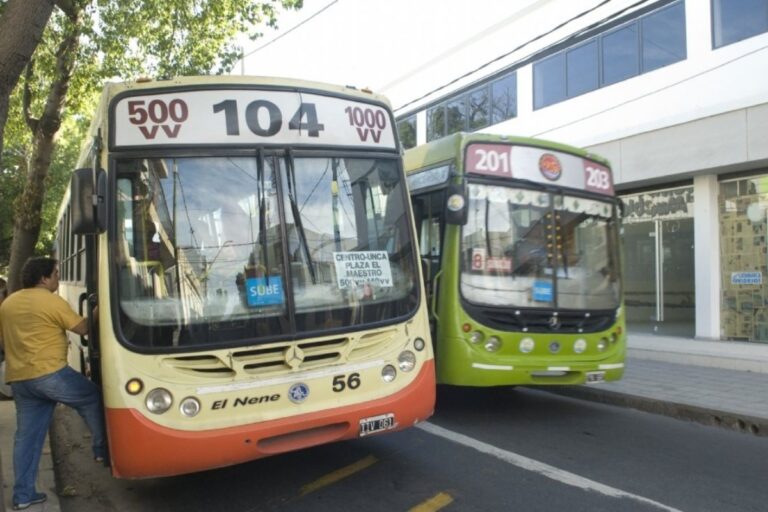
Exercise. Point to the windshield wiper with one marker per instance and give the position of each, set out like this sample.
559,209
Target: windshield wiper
297,217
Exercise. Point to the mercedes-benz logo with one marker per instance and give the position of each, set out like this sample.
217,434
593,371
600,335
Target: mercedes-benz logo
294,356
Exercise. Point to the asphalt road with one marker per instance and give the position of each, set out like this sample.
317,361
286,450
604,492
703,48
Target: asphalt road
499,449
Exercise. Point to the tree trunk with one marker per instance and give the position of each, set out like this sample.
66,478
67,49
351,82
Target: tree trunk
21,27
26,226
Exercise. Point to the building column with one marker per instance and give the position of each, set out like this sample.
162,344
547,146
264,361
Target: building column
706,236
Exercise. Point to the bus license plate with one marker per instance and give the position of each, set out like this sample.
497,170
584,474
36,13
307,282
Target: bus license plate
376,424
595,377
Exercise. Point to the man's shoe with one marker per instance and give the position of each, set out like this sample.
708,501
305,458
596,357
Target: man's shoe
38,497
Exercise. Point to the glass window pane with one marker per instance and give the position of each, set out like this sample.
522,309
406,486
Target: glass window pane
663,37
735,20
621,59
582,69
435,122
456,115
549,81
504,98
407,131
202,255
478,109
505,249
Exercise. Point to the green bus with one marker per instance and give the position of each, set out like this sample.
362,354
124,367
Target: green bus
519,241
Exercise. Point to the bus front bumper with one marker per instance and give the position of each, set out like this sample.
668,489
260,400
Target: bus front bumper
140,448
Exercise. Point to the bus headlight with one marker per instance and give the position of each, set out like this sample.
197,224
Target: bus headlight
476,337
134,386
189,407
159,400
493,344
602,344
580,345
527,345
388,373
406,361
455,202
419,344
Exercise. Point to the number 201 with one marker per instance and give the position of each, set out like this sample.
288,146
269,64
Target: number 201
492,161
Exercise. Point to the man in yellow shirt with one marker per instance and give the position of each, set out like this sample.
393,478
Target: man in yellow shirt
33,325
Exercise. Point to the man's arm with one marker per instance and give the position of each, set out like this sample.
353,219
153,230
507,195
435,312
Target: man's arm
82,327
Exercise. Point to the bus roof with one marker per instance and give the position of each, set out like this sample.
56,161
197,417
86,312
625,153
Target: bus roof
113,88
449,148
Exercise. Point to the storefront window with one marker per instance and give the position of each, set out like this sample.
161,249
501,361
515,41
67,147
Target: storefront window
659,272
743,207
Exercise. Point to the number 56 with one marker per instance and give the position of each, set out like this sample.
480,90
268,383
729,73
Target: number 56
341,382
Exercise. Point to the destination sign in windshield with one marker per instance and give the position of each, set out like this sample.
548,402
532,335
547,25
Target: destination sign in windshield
540,165
235,116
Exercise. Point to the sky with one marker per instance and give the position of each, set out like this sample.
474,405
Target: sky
378,44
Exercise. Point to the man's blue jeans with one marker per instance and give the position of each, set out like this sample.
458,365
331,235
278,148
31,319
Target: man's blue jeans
35,401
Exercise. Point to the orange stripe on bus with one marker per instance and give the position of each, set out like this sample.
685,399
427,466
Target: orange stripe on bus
140,448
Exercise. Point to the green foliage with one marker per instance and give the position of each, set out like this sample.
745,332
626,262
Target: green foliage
166,38
118,40
71,135
16,149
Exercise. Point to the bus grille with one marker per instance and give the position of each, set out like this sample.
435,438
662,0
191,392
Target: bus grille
285,357
543,321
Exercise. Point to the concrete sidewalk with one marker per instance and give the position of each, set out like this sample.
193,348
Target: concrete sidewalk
45,480
712,382
721,383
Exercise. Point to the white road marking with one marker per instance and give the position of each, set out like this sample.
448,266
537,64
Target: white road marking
535,466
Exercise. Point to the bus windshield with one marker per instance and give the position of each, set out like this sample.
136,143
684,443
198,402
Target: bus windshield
539,249
213,250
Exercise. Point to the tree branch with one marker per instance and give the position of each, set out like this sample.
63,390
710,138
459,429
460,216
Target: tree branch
27,97
66,56
69,7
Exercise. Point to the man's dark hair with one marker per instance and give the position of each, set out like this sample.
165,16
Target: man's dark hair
35,269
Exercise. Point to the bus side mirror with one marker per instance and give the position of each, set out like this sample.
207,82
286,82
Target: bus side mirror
456,210
89,210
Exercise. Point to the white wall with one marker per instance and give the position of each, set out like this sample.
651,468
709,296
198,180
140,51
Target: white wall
707,113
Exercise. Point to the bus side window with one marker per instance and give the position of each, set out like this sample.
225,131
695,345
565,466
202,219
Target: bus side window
429,227
431,244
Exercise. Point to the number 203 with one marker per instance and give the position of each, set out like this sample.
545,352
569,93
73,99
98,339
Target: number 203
598,178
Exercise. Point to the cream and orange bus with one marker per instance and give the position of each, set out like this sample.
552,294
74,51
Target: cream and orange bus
250,245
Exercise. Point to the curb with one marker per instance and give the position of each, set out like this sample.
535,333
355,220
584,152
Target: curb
733,421
754,365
